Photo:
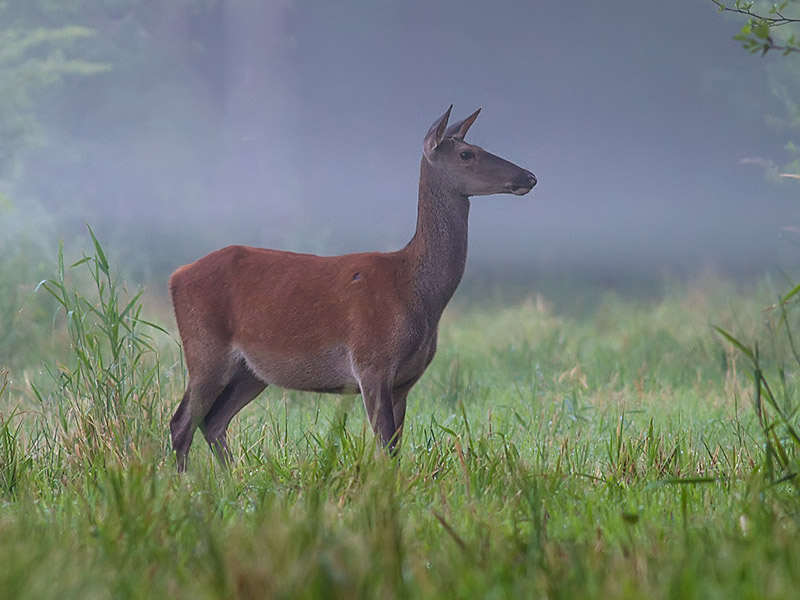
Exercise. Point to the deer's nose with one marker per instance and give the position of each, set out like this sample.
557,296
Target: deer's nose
531,178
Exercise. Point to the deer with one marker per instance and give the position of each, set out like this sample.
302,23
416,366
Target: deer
355,323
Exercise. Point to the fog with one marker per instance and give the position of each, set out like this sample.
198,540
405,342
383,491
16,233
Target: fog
300,125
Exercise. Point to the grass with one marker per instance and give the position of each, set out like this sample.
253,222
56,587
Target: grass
618,454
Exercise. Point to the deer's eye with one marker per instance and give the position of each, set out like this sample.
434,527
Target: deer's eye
466,155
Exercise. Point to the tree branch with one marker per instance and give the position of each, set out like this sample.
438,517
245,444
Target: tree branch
755,35
774,19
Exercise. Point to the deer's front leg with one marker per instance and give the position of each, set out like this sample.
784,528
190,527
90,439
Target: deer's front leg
377,394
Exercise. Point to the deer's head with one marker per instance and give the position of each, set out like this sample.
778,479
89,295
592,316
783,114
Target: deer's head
468,169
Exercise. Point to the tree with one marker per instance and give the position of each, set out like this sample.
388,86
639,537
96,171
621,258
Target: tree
768,27
775,27
31,60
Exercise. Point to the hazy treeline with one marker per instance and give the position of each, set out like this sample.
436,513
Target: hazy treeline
119,108
176,127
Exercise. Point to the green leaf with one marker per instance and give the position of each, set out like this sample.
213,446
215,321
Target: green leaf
794,291
102,262
736,343
84,260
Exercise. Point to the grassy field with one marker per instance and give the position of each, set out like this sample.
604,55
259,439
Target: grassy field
613,454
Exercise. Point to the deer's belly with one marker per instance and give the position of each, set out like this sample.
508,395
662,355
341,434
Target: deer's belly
332,370
326,371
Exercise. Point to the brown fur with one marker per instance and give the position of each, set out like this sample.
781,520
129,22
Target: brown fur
252,317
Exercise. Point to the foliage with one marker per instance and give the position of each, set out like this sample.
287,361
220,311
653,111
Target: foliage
12,463
31,60
774,27
775,394
45,45
25,252
615,455
110,384
764,19
774,397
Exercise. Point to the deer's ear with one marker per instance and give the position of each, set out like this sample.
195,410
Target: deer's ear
459,130
435,134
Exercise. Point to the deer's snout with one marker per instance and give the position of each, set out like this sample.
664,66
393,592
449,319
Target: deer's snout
531,178
522,184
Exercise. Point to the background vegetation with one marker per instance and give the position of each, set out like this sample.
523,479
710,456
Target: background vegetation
615,453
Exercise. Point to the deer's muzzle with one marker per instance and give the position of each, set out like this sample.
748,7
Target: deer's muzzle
522,185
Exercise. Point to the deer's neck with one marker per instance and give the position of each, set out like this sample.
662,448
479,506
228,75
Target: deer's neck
439,246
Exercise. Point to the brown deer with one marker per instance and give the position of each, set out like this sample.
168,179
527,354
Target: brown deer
366,322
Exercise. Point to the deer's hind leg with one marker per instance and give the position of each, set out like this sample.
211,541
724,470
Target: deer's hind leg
208,382
181,431
240,391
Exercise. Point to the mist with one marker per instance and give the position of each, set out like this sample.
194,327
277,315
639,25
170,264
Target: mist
299,125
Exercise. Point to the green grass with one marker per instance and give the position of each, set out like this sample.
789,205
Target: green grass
612,455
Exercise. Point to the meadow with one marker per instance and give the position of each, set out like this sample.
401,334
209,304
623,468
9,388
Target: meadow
629,450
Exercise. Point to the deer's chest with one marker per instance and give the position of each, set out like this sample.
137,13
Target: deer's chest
419,354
